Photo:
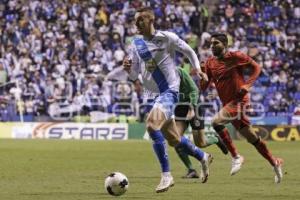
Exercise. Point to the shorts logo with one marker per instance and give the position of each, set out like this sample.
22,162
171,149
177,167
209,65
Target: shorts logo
197,122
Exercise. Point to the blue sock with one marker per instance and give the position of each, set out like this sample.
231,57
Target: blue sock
160,150
188,147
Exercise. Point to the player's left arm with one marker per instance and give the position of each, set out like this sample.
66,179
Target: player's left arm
246,61
181,46
205,84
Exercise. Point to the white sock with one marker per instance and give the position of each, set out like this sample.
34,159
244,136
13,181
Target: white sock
166,174
205,157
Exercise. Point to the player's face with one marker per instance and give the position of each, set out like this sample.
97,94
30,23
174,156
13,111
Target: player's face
217,47
143,23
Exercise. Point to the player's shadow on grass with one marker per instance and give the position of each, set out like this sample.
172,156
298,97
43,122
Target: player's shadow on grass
101,195
147,177
57,194
135,195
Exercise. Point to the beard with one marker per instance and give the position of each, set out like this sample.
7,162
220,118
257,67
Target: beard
217,51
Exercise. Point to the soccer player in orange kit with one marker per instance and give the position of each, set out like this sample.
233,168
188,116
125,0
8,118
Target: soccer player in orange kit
225,70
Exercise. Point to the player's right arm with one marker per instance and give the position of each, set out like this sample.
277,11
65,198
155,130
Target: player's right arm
131,65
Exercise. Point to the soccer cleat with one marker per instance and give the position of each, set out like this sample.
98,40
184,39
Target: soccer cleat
191,174
207,160
221,145
166,182
236,164
278,170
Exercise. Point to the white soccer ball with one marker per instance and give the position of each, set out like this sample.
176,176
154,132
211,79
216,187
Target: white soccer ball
116,184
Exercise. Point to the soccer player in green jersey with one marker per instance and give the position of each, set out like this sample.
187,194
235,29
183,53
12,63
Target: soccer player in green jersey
190,112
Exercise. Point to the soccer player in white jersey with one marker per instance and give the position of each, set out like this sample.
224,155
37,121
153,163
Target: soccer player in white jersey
152,56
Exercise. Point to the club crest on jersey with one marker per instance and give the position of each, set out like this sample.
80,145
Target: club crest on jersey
145,54
150,65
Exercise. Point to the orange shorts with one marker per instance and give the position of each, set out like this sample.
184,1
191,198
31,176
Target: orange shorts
238,113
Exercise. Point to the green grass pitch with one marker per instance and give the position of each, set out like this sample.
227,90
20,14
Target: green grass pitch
73,170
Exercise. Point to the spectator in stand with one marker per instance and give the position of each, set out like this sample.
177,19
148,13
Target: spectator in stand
47,45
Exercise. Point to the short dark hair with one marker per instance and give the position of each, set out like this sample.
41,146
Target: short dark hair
220,36
143,9
149,10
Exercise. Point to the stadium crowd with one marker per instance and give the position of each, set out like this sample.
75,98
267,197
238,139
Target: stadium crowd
61,56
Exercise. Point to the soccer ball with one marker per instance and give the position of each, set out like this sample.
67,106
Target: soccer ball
116,184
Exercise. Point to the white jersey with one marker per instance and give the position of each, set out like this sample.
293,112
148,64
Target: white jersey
154,59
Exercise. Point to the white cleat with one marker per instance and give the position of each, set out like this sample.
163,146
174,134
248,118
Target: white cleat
278,170
207,160
236,164
166,182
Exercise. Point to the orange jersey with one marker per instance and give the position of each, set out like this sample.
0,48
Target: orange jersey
227,75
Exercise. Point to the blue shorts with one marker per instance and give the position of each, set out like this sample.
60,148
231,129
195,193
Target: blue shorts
166,102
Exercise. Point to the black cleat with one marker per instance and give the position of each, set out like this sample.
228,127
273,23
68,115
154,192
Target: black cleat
191,174
221,145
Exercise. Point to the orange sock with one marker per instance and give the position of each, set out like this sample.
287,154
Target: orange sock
264,151
224,134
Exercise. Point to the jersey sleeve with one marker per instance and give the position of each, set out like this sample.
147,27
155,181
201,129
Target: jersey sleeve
179,45
242,59
245,61
115,73
135,65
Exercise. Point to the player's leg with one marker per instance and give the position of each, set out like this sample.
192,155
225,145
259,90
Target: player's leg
200,139
188,147
163,116
184,157
154,123
181,115
246,130
224,116
203,140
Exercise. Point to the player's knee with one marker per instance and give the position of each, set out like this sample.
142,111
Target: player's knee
173,142
199,138
215,122
251,140
151,125
150,128
250,136
173,139
218,128
200,143
256,142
